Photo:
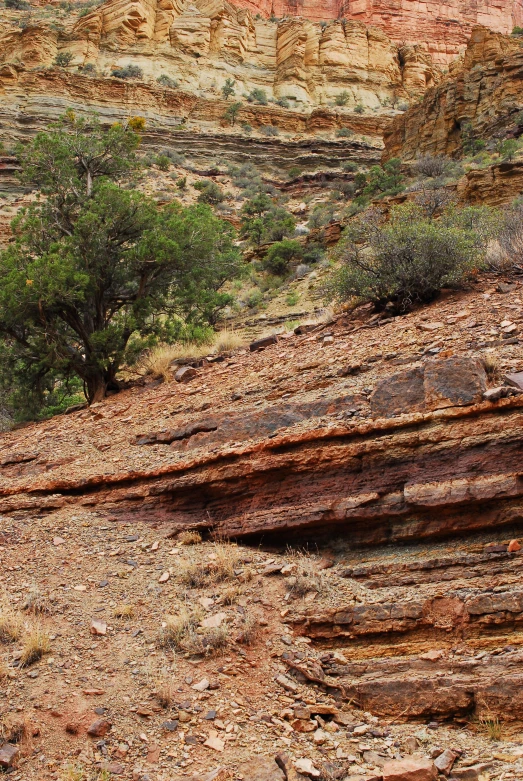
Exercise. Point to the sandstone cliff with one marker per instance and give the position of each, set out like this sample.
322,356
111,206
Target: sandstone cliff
482,92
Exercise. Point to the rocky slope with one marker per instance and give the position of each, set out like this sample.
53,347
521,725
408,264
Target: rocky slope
481,94
380,445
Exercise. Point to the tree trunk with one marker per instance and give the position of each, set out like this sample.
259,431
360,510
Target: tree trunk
96,386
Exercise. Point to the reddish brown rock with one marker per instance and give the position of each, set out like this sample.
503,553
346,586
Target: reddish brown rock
8,754
99,728
410,770
453,382
514,546
402,393
185,374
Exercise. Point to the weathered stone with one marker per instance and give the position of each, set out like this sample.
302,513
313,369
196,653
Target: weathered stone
410,769
445,761
261,769
99,728
454,381
8,754
515,380
402,393
185,374
260,344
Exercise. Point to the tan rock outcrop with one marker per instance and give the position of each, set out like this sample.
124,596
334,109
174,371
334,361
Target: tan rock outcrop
483,91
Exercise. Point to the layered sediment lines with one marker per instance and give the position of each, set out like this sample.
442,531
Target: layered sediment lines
420,476
481,97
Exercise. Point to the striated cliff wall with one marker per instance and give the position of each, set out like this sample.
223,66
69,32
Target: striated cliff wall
482,92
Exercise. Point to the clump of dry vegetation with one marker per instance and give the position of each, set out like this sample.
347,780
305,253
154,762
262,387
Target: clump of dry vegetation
492,365
124,611
176,628
36,601
11,624
189,538
184,633
165,692
221,566
226,341
306,579
249,630
36,644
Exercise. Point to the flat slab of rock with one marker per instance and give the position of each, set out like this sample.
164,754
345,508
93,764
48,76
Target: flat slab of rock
442,382
410,770
261,769
185,374
399,394
454,382
260,344
515,380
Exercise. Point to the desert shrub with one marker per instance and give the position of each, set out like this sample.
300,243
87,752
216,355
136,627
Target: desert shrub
321,215
342,98
510,236
471,145
89,69
403,106
350,167
258,95
384,179
432,166
163,162
279,256
263,221
313,252
166,81
434,201
359,109
246,127
508,148
410,258
17,5
269,130
515,31
283,102
63,59
127,72
228,88
189,537
210,192
232,111
344,132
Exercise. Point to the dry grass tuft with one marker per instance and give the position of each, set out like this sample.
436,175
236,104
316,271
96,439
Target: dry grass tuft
307,578
165,692
249,630
36,644
157,362
189,538
124,611
15,728
36,602
221,566
207,642
177,628
226,341
4,669
72,773
491,725
11,624
492,364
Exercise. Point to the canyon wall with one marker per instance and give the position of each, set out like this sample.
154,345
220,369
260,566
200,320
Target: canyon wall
442,27
481,96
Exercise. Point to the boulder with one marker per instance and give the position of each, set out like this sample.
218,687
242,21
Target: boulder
454,382
515,380
445,761
410,769
185,374
8,753
261,344
400,394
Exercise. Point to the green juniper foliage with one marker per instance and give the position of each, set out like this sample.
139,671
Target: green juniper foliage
263,221
96,272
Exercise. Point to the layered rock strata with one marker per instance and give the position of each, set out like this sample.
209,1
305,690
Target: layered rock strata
481,97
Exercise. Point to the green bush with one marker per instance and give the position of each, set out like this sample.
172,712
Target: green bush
263,221
228,88
283,102
210,192
258,95
89,69
127,72
269,130
163,162
471,145
17,5
279,256
232,111
166,81
383,179
342,98
508,148
246,127
359,109
63,59
410,258
517,30
344,132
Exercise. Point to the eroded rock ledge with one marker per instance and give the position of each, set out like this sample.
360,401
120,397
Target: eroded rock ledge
417,476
